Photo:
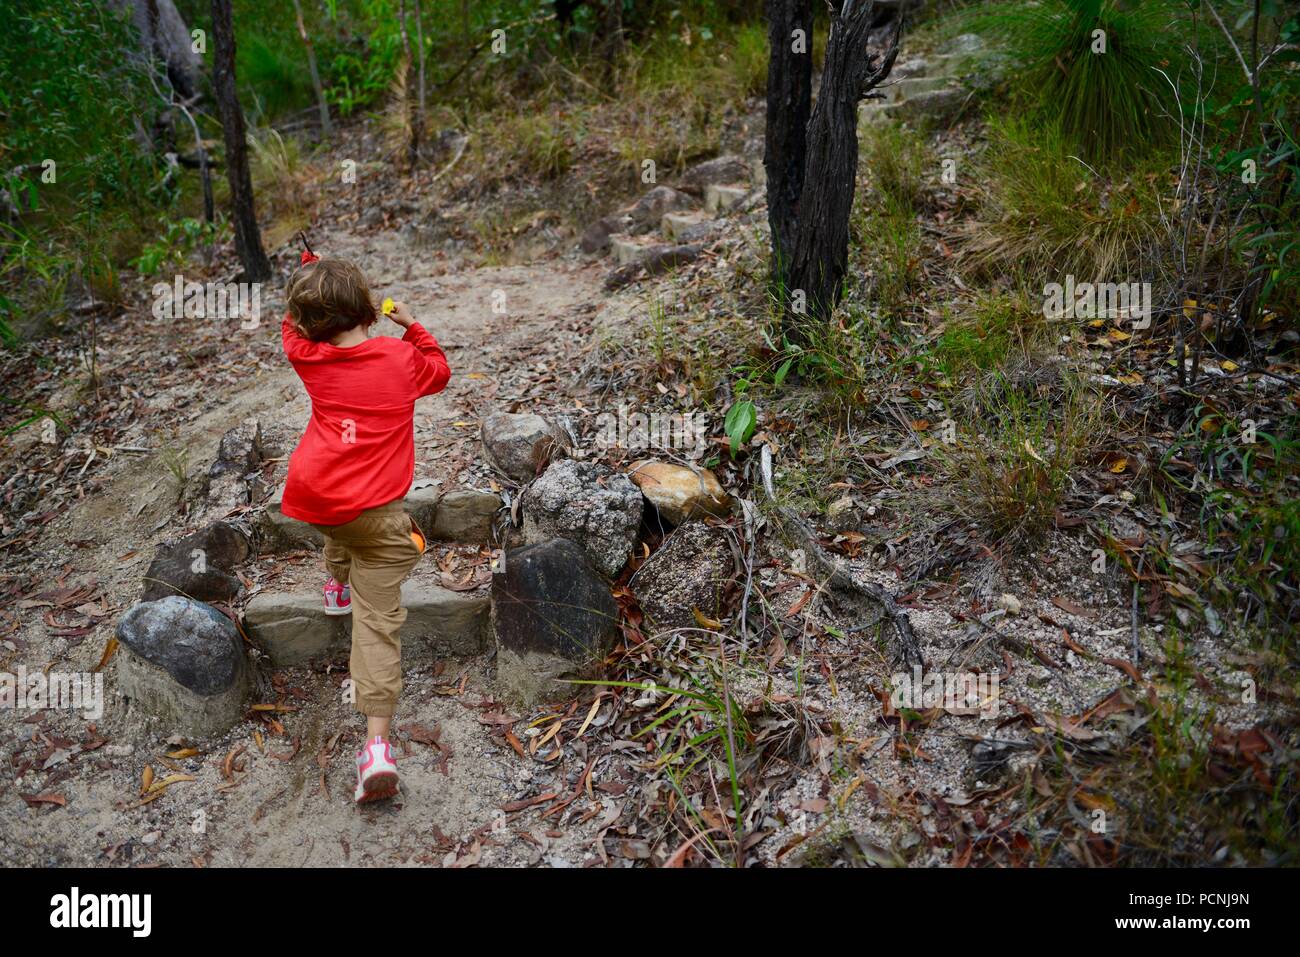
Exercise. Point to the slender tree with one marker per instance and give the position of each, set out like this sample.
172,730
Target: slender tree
248,241
321,105
789,103
819,259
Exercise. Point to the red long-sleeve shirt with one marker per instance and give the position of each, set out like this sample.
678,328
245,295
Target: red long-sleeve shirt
359,448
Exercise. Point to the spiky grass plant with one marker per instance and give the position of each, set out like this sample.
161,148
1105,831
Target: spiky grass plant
1090,67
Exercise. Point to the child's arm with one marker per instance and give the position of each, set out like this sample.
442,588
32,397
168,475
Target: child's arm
431,370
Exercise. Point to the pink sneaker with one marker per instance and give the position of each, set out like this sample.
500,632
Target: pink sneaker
376,772
338,598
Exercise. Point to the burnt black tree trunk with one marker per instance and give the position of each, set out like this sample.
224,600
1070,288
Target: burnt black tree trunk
248,241
789,103
821,243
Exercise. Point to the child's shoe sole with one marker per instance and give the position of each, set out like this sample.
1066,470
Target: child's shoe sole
378,787
338,611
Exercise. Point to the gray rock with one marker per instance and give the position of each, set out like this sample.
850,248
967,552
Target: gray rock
655,259
554,618
182,661
422,503
240,450
520,444
280,533
465,516
722,169
649,210
595,239
689,570
588,504
294,630
444,623
938,106
201,565
964,44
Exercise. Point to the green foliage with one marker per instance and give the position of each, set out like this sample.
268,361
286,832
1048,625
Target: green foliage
741,420
179,239
995,327
1044,214
1102,89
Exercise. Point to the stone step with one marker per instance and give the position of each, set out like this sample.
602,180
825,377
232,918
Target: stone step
688,227
462,515
293,629
906,87
631,249
938,105
719,197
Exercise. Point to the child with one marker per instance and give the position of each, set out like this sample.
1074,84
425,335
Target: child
350,472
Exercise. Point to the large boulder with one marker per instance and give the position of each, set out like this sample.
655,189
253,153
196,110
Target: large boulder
280,533
688,571
520,444
680,493
201,565
183,662
554,618
590,505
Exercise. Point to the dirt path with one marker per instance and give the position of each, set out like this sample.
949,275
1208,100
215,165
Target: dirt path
513,335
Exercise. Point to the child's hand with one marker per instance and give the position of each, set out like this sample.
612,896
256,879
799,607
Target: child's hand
401,314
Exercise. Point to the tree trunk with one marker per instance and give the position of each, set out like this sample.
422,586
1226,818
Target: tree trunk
164,35
789,102
325,127
821,245
248,241
413,119
419,42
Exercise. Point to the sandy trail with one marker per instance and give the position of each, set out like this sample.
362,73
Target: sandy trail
508,332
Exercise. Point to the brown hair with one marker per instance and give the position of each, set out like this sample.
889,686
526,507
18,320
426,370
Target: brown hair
330,296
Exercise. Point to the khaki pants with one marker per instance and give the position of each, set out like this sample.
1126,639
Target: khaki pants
373,554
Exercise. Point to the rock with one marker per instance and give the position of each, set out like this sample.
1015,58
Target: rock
280,533
719,197
1010,603
553,617
422,504
240,450
689,227
629,250
183,662
441,622
595,238
293,629
465,516
520,444
649,210
722,169
654,259
936,105
680,493
842,514
966,43
589,504
688,571
201,565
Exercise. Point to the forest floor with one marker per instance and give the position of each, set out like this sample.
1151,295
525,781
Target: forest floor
833,772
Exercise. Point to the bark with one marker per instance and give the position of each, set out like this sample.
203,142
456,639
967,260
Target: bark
414,122
789,103
248,240
163,35
821,244
321,105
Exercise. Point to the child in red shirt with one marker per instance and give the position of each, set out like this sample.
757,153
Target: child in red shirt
350,472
